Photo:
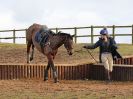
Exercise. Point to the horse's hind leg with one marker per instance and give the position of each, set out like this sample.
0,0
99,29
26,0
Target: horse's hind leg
32,53
29,43
28,51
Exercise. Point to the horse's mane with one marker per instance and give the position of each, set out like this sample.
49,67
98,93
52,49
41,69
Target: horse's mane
64,34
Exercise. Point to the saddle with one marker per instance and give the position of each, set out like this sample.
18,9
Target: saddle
42,37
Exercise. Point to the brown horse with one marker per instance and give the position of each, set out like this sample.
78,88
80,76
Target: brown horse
50,49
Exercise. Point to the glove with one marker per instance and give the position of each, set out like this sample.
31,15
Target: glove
115,57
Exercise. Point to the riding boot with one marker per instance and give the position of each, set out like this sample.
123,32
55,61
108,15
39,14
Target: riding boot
110,73
45,75
107,76
55,77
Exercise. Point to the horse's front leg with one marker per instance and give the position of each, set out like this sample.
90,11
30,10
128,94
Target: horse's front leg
50,60
46,72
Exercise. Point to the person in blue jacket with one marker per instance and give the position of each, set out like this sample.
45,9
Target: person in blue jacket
108,52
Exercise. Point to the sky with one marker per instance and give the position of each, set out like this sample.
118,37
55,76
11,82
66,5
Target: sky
20,14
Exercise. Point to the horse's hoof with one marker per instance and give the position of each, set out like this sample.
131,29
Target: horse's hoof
56,81
45,79
28,62
31,58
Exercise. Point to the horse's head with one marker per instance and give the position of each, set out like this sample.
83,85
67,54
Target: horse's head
68,43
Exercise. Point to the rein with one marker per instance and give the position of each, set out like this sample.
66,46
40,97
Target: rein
92,55
88,52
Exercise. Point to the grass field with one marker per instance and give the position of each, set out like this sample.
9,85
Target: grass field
16,53
124,49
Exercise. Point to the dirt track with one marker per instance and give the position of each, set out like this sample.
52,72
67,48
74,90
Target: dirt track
37,89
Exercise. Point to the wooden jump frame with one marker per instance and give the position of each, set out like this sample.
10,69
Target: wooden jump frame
121,71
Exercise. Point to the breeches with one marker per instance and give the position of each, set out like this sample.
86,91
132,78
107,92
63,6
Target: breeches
107,61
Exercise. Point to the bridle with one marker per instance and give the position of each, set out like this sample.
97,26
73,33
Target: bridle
66,43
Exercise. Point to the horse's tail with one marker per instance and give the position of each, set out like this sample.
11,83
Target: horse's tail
29,42
29,32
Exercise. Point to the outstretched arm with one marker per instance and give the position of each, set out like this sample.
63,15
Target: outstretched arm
92,46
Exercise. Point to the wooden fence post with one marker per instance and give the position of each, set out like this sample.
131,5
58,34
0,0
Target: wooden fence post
132,34
92,35
14,38
56,30
75,33
113,31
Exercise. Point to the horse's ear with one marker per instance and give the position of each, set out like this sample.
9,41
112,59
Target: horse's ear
73,35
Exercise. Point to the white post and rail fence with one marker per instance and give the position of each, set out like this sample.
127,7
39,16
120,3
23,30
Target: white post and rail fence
90,34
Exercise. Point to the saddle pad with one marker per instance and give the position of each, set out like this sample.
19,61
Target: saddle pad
38,37
41,39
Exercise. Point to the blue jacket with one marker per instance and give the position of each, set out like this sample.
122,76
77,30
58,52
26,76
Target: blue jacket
110,48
